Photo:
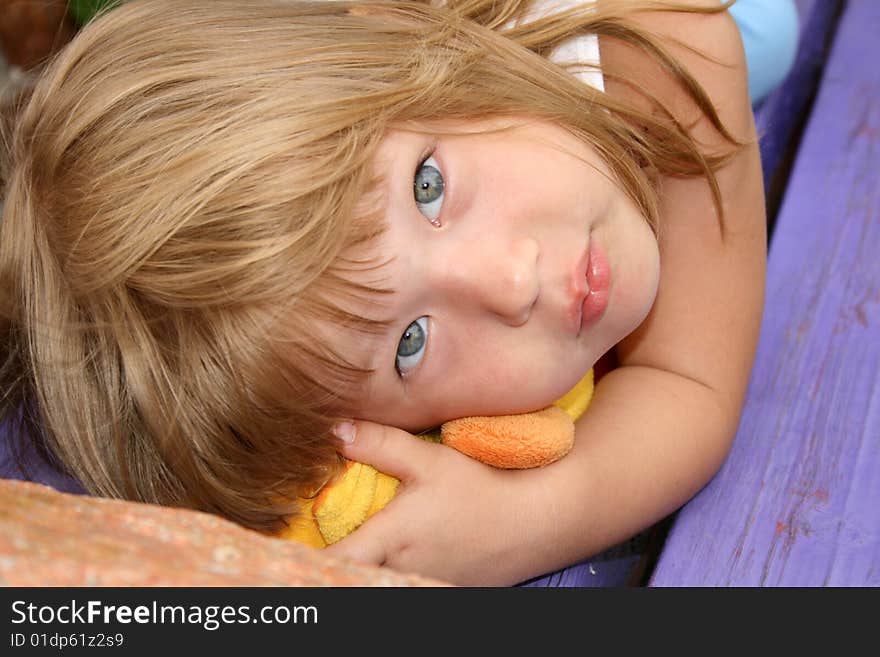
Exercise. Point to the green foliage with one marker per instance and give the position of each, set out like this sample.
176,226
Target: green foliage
84,10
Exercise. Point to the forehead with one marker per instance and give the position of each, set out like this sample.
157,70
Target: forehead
404,133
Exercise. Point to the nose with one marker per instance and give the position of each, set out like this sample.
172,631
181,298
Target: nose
501,278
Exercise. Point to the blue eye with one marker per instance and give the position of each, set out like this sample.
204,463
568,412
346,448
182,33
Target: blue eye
428,190
412,345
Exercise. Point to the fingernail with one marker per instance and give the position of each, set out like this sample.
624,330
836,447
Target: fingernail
345,431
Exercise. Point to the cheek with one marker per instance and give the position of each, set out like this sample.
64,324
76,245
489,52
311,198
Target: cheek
506,378
531,374
637,285
646,279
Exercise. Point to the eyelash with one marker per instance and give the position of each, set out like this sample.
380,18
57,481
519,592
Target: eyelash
421,329
430,210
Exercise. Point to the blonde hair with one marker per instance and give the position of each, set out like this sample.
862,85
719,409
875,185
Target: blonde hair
182,188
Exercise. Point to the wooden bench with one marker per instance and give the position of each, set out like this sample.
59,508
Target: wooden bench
794,503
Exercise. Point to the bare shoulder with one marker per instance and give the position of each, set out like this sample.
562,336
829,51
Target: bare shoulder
707,45
706,318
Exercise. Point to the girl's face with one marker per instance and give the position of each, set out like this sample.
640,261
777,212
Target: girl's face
516,263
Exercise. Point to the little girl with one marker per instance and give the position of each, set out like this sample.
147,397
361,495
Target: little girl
233,231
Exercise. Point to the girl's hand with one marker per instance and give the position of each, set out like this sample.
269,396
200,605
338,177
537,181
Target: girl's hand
453,519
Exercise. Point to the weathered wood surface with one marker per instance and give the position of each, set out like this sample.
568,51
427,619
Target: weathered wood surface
798,501
621,565
49,538
22,462
783,112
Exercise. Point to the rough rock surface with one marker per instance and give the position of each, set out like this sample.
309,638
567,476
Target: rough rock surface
49,538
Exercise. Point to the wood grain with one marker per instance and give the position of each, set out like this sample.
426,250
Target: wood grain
796,503
49,538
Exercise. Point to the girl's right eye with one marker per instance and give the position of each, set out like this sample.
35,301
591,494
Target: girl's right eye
412,345
428,190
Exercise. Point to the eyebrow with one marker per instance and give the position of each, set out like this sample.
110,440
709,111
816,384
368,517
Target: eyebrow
379,329
375,364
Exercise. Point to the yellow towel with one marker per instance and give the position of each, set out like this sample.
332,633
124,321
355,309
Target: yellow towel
510,441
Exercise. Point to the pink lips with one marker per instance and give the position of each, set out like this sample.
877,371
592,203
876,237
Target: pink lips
598,278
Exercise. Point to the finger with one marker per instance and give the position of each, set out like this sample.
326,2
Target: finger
364,545
389,450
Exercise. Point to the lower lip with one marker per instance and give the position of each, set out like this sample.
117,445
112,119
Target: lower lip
599,282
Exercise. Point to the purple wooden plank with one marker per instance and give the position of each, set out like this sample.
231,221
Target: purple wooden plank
615,567
779,116
595,573
796,503
22,462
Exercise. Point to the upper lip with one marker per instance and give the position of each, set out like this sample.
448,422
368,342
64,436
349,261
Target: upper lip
580,288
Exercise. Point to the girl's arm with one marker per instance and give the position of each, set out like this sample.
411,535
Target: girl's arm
661,424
